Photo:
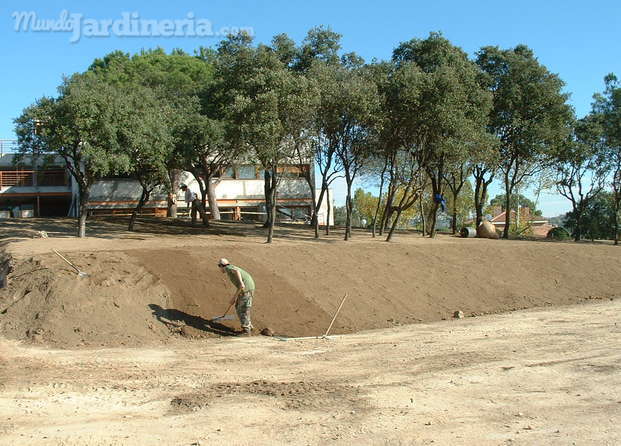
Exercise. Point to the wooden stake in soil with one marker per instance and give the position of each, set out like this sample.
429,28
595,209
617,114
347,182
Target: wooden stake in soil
335,315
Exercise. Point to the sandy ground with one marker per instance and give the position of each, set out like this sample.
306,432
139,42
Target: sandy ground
534,377
138,283
95,361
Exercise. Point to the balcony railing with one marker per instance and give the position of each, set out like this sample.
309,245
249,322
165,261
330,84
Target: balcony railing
30,178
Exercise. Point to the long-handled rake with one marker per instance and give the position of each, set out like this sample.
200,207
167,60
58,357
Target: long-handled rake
225,316
81,274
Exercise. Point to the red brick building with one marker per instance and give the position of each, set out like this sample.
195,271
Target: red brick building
539,225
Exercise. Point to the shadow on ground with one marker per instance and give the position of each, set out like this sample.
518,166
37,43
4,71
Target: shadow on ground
171,318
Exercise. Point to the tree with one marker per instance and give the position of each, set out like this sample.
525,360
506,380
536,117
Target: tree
145,137
353,105
347,100
270,106
363,205
607,106
395,155
461,206
454,107
318,58
597,218
321,44
184,83
81,126
517,201
582,168
529,114
456,178
205,150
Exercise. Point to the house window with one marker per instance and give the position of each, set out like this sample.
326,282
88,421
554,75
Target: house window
229,172
247,172
292,171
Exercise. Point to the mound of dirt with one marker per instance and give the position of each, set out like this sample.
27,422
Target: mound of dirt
46,302
157,293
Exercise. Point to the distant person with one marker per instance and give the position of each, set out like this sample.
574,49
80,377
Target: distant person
439,198
244,293
195,205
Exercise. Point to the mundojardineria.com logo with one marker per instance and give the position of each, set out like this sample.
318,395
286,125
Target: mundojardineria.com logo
129,24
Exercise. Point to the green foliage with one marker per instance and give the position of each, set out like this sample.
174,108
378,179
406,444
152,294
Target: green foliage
558,234
607,108
530,114
420,124
523,201
81,125
450,114
598,219
464,205
363,206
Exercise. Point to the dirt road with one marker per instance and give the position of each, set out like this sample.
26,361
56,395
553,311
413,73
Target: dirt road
544,376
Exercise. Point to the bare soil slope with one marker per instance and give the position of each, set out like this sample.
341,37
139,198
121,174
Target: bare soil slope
148,289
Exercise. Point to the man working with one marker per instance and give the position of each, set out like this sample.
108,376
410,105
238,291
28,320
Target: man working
243,294
194,204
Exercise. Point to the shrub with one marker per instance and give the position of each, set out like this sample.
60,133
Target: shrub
558,234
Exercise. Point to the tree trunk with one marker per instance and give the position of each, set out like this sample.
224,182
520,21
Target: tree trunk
270,232
348,204
616,219
269,205
480,193
433,218
577,233
505,232
454,221
211,198
313,217
379,199
84,196
329,212
454,216
173,175
436,190
478,201
422,214
348,211
394,225
144,197
388,209
324,188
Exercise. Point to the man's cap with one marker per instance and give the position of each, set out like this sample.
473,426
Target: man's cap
182,186
223,262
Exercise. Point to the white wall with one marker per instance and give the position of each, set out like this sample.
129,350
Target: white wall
129,190
322,214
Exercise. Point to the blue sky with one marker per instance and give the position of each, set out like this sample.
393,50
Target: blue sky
576,39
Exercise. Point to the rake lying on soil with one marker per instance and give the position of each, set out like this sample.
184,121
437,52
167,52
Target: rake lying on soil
80,273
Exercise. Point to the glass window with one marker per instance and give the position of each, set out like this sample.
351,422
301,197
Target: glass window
247,172
290,172
229,172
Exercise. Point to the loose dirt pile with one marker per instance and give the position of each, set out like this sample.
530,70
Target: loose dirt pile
46,302
151,291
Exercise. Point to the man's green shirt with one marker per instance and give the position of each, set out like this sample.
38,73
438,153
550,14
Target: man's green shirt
246,277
